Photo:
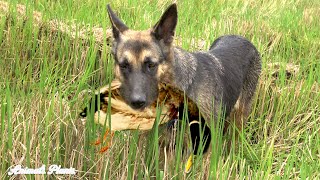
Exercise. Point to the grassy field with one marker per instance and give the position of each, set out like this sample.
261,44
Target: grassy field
44,74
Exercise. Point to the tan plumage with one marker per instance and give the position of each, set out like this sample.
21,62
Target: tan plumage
123,117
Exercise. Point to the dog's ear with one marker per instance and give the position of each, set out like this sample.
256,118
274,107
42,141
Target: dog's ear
165,27
118,26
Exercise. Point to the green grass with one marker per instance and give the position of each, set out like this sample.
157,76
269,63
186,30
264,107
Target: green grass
43,77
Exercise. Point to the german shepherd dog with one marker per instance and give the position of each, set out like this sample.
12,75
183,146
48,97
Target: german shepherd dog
225,77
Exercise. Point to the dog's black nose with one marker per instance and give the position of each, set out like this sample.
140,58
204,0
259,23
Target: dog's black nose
138,101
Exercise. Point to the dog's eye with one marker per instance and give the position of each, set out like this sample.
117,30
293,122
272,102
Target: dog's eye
151,65
124,65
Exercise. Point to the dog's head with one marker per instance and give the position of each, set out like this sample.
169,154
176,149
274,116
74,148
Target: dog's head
142,57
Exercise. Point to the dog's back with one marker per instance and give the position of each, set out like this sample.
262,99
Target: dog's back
220,77
242,66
